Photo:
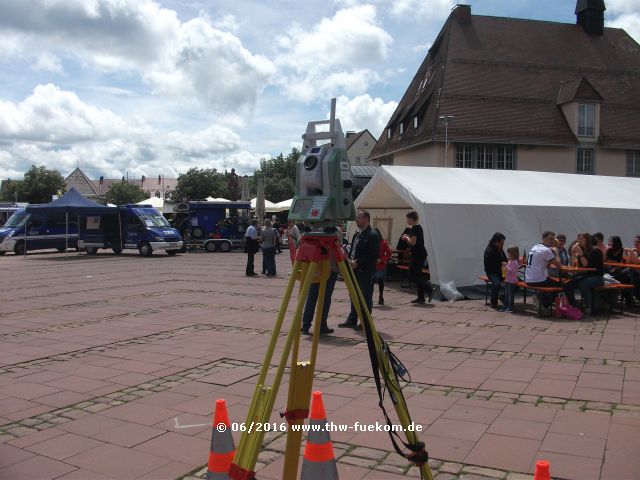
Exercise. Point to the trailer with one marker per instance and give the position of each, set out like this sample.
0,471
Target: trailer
212,226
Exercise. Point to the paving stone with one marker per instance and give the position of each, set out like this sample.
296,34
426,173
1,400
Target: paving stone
449,467
358,462
484,472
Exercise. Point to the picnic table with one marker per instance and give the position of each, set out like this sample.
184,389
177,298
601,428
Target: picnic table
633,266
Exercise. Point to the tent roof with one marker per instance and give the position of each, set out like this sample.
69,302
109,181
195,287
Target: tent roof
285,204
71,202
396,187
153,201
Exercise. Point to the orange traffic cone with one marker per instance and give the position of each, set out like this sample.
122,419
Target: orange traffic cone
542,470
319,460
222,447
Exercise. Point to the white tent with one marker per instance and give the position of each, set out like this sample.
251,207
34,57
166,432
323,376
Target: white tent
270,207
155,202
284,205
211,199
460,209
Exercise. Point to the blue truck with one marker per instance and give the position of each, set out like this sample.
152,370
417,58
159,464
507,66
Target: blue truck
139,227
26,231
214,226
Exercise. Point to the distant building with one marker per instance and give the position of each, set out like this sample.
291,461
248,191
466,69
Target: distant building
514,94
359,146
162,187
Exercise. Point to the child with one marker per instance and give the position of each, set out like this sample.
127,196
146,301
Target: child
511,278
381,266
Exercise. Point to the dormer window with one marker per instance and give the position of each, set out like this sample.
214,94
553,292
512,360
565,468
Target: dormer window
415,121
402,128
586,120
388,134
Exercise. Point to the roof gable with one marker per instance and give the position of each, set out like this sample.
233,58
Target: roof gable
79,181
579,89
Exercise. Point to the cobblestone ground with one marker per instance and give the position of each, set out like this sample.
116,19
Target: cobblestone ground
107,362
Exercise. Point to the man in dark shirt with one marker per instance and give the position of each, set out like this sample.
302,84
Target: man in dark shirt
494,257
415,239
363,257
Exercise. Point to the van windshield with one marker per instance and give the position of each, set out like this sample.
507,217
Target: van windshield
16,220
151,220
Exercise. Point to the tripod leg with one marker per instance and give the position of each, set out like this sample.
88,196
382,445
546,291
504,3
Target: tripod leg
383,363
264,396
301,383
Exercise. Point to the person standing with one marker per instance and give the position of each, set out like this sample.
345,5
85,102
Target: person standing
269,237
511,278
312,300
381,267
415,240
362,258
251,247
293,238
494,258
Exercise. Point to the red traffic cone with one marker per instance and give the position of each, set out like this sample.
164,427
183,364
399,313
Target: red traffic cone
319,460
222,446
542,470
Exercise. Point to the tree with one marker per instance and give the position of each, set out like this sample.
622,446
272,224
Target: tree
40,184
200,183
11,191
280,176
125,192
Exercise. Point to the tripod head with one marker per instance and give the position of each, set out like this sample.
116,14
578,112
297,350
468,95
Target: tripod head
323,177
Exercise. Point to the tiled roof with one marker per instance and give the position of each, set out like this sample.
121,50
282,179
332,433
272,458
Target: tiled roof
501,79
349,141
579,89
79,180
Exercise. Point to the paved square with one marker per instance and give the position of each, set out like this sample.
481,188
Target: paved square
110,365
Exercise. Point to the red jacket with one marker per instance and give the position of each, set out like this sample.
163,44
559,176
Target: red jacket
383,256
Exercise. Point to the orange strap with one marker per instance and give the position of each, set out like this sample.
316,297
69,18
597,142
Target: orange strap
319,453
219,462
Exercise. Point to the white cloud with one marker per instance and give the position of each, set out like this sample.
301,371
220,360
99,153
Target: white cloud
623,6
420,10
364,112
624,14
422,48
47,62
214,67
333,56
56,128
190,60
227,23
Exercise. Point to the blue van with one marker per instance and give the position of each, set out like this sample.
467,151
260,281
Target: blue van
38,231
139,227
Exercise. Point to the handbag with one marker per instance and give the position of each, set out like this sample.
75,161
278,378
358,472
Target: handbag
561,301
567,311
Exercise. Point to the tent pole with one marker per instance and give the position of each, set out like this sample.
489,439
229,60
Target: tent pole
78,237
66,235
120,230
26,234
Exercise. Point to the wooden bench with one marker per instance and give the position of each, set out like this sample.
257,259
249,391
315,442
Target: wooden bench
539,292
613,293
404,272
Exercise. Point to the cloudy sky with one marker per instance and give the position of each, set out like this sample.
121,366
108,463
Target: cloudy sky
159,86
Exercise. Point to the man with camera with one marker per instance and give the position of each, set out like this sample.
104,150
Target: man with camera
363,257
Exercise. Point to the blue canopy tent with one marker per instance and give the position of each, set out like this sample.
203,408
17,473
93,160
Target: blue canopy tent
72,202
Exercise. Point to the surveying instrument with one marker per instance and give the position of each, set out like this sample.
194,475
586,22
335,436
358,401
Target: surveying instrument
323,198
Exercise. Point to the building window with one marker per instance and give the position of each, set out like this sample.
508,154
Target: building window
586,120
504,158
586,161
415,121
464,156
158,194
366,144
358,160
401,128
484,158
388,133
633,163
498,157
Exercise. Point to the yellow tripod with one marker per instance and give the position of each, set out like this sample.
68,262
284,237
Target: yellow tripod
312,265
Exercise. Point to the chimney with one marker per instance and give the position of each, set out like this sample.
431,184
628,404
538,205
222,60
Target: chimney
462,13
590,15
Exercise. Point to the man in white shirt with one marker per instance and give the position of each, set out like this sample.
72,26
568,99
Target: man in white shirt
251,247
541,256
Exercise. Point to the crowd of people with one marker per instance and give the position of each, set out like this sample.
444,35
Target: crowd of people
543,266
368,254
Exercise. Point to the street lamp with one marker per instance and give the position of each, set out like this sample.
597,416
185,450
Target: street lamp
446,119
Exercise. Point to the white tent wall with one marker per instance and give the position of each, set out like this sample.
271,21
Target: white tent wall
483,202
